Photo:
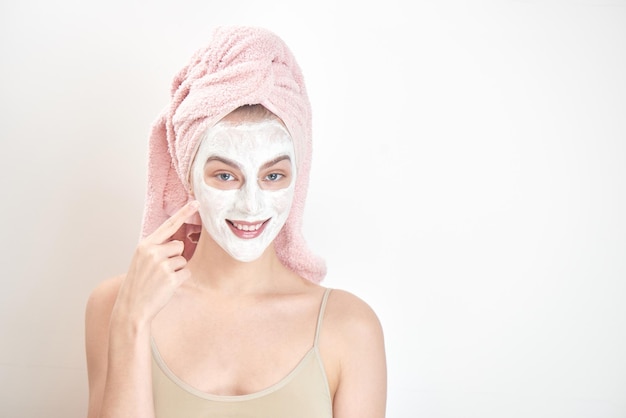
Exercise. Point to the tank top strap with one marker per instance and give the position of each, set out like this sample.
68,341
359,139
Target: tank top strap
321,316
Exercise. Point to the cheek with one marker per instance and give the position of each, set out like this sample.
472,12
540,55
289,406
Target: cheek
213,201
281,200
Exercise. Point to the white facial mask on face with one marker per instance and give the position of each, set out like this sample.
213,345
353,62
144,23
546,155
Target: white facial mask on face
244,221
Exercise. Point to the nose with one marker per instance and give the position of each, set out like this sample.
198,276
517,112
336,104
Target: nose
250,198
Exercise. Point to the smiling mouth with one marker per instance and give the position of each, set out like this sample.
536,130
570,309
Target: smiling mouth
247,230
247,226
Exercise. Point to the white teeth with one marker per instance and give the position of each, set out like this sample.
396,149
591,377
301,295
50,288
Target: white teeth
247,227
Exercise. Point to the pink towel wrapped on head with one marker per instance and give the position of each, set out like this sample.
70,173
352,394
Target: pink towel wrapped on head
240,66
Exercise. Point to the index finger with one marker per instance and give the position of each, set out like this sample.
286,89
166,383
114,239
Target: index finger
171,225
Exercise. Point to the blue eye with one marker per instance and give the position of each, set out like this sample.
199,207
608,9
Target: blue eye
226,177
274,176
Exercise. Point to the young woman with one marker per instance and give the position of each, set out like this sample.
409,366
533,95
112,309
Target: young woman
221,313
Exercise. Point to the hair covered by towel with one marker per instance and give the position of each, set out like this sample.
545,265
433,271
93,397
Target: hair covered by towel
240,66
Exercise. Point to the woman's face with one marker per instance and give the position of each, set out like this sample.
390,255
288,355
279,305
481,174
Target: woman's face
243,176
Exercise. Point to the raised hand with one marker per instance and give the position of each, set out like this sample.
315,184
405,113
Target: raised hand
156,270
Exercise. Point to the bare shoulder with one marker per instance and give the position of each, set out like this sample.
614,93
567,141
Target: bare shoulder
349,315
353,349
103,296
350,326
98,311
97,316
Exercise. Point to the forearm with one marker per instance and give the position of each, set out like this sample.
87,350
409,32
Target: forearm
128,388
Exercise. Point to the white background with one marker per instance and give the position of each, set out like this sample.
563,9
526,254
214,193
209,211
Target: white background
469,183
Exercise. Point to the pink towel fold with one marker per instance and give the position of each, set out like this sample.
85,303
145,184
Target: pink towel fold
240,66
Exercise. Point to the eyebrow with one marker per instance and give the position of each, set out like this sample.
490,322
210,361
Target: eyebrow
237,166
275,161
223,160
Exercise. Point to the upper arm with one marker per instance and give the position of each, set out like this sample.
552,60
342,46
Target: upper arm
358,342
97,314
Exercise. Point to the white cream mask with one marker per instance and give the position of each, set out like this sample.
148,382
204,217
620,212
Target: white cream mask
244,175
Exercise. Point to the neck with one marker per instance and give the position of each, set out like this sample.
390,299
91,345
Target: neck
215,270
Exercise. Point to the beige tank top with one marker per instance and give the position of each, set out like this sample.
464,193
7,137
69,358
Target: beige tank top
303,393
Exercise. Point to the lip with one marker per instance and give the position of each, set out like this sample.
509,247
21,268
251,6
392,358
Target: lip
250,234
